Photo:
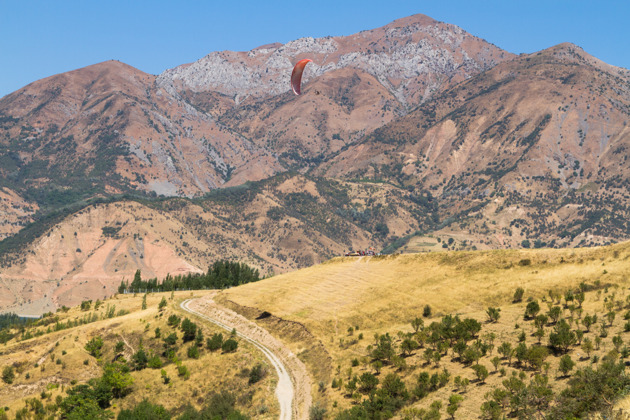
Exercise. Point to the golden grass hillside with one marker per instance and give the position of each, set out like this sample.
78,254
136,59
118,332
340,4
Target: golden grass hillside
346,301
48,365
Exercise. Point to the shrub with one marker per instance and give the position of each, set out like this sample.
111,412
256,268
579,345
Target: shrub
155,362
215,343
193,352
257,373
518,295
94,346
8,375
230,345
145,410
182,370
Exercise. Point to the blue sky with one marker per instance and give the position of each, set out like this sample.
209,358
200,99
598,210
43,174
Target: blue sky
46,37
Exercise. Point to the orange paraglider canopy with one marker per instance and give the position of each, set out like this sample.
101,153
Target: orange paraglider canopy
296,76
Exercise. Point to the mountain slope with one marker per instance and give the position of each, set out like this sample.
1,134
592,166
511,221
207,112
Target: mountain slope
536,145
280,224
107,128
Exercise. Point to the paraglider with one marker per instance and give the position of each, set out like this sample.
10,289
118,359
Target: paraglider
296,75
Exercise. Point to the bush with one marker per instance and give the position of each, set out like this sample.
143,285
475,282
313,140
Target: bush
518,295
94,346
182,370
8,375
155,362
215,343
257,373
426,312
145,410
317,412
193,352
230,345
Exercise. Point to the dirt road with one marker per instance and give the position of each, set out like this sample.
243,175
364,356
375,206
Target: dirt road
294,385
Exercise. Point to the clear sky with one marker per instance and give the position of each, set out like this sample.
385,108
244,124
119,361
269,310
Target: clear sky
46,37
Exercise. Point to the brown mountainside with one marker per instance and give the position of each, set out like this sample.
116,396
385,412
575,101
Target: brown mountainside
542,138
280,224
223,120
108,127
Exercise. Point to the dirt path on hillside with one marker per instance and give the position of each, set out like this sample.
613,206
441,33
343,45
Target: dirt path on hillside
294,384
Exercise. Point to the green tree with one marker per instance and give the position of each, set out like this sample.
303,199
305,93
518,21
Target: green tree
554,313
367,383
144,302
587,321
587,346
566,364
384,349
257,373
118,377
189,329
518,295
140,359
562,337
592,390
407,346
173,321
162,304
481,372
532,309
496,361
193,352
536,356
454,402
506,350
417,324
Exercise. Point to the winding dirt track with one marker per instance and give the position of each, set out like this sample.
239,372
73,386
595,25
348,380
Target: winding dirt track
294,384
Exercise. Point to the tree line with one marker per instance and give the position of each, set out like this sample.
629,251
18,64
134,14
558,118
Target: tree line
221,275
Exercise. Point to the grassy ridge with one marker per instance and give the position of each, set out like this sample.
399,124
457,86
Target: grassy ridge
349,304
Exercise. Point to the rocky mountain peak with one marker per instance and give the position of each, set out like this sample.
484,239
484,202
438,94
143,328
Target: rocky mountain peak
410,55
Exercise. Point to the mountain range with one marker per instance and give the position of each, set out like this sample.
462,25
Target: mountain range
412,130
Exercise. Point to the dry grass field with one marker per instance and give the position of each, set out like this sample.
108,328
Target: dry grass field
55,361
377,295
329,315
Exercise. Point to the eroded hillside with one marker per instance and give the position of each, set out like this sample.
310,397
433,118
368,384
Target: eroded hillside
280,224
